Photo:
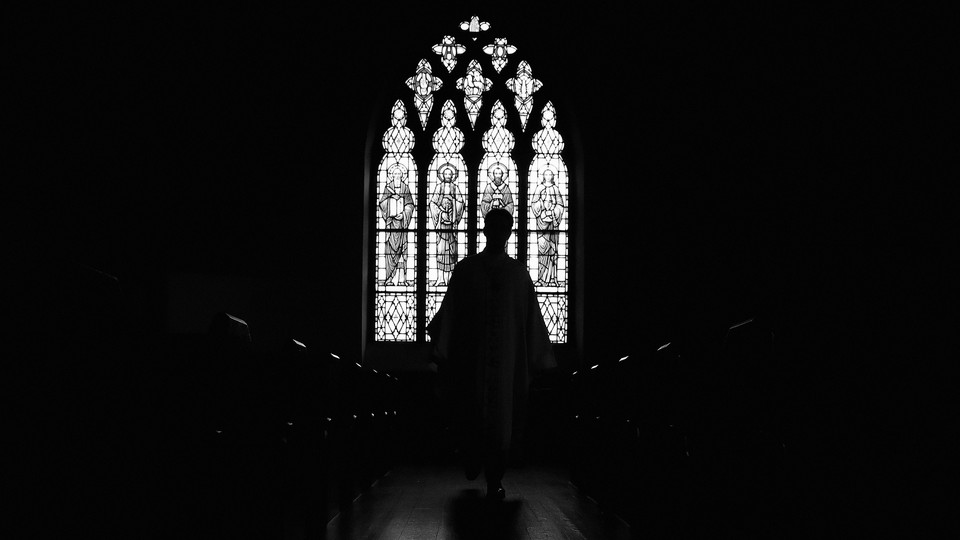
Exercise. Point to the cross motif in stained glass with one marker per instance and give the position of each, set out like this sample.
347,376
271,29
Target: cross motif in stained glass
473,84
524,85
424,84
475,26
448,49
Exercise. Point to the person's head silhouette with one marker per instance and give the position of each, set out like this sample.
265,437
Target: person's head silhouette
497,225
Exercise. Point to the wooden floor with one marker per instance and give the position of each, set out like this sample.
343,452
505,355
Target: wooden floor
419,502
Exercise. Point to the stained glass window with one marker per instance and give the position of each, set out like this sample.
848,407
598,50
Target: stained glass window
429,218
396,305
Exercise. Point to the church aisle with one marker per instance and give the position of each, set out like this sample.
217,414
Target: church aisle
416,502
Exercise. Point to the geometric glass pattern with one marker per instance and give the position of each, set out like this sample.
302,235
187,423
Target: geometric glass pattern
497,177
429,218
447,186
499,50
524,85
474,25
473,84
395,317
449,49
424,84
548,193
554,309
396,232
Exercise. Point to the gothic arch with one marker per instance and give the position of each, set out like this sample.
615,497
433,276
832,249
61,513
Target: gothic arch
471,126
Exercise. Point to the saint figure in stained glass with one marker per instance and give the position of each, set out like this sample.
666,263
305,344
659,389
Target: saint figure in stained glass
396,207
547,206
446,204
497,193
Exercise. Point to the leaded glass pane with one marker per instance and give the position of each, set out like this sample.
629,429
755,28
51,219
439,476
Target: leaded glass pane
473,84
499,52
474,25
395,317
449,49
424,84
432,304
447,186
445,249
396,252
524,85
555,314
498,184
547,249
495,182
548,261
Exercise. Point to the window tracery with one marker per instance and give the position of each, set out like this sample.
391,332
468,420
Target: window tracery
430,218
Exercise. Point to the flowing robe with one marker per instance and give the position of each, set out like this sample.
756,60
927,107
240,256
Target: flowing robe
548,208
397,206
448,204
489,341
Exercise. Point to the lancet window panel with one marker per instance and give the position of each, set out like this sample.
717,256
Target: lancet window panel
498,184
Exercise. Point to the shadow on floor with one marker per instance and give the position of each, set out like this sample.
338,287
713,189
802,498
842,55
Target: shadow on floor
473,516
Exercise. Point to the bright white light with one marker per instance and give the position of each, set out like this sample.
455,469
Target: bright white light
741,323
574,373
358,364
335,356
329,419
664,346
289,423
624,358
300,343
596,366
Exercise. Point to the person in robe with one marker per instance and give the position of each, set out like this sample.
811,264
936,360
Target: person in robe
396,207
489,341
447,206
547,207
497,194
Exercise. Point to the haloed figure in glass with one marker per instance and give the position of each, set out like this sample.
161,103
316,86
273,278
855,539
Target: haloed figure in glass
547,207
396,206
447,206
497,194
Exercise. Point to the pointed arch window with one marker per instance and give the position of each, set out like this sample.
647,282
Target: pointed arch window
465,134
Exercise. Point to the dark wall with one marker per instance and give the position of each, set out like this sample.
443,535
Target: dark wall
732,157
736,162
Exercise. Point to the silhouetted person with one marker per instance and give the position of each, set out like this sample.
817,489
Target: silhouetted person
489,341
